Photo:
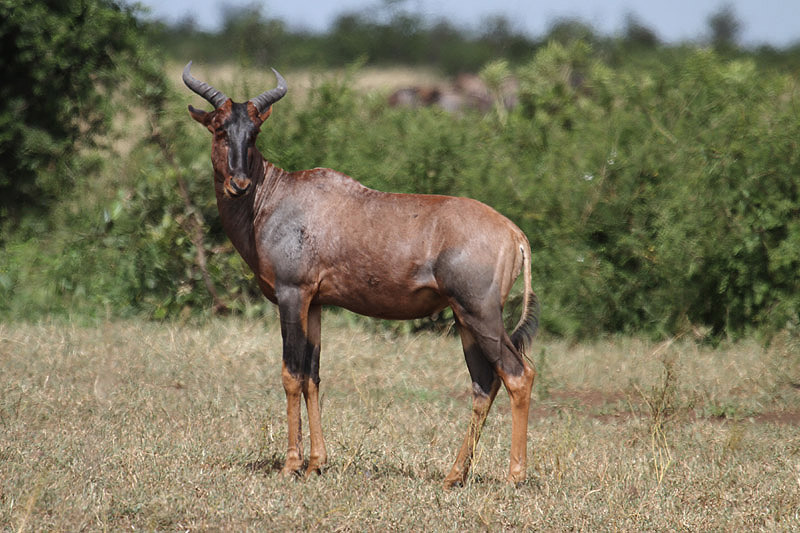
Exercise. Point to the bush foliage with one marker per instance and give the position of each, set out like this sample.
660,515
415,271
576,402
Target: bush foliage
386,34
58,71
660,195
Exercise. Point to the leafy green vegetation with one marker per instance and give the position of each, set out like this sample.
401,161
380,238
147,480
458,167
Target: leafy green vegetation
384,35
395,32
658,186
59,70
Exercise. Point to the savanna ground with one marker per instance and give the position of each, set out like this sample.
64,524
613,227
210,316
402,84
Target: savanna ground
158,426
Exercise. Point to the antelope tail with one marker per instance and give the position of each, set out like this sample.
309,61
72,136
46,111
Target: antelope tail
528,325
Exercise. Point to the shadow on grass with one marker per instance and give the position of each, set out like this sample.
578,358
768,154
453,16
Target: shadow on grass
264,465
373,471
367,470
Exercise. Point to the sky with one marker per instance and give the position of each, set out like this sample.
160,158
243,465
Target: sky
771,22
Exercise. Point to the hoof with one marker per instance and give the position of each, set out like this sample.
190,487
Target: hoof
452,483
311,470
289,472
516,479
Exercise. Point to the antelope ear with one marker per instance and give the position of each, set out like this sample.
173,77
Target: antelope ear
201,116
265,115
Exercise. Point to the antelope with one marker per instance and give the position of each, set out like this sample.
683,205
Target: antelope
318,237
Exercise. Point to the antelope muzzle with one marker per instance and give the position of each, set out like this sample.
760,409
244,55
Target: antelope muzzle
236,186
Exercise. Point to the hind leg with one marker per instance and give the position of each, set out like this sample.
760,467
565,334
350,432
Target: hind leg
319,457
485,326
519,390
485,384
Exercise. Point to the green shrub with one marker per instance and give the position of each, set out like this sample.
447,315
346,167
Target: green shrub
659,197
58,70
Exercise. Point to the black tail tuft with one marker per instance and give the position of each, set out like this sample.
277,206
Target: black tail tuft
524,333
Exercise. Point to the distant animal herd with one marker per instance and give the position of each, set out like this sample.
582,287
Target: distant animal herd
466,91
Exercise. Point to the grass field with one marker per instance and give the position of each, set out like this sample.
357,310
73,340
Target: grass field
148,426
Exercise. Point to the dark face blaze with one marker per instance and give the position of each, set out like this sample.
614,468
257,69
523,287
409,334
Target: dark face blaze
235,127
239,133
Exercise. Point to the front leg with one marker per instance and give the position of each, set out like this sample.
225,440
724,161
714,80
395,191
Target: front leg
293,308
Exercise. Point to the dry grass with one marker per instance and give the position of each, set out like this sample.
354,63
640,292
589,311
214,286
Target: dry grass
181,427
229,78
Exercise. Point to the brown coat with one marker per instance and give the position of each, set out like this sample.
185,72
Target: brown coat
318,237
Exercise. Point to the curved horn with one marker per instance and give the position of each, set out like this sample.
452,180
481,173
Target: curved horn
214,96
267,98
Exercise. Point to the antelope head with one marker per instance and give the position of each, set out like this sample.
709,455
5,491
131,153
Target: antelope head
235,127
